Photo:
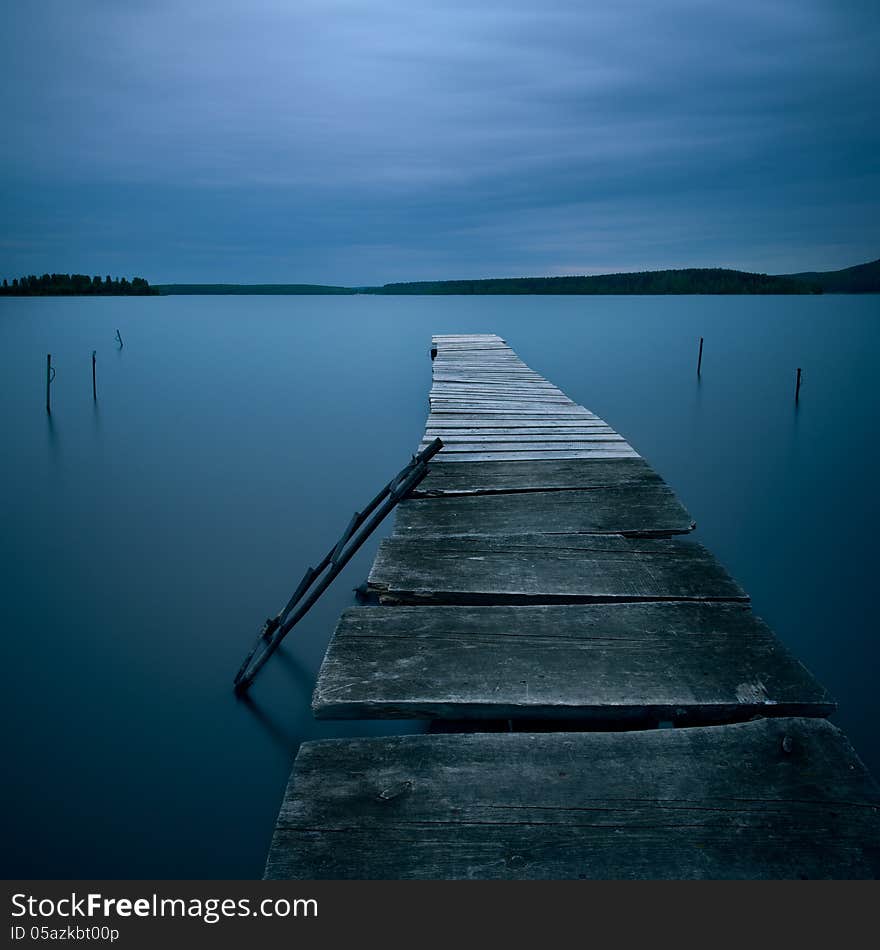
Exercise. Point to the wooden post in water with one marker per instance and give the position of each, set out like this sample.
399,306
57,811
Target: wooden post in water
50,375
700,358
797,390
119,339
94,386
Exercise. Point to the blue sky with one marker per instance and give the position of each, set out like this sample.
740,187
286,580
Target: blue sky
351,142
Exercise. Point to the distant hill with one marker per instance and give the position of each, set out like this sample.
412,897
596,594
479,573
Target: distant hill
252,289
715,280
861,279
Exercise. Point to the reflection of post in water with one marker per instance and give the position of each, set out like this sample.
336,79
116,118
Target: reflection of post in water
52,437
96,415
276,733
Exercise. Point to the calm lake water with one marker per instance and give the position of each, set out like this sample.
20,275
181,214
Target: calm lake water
145,538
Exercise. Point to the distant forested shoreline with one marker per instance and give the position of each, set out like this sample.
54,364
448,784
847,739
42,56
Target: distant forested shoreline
259,289
690,281
863,278
76,285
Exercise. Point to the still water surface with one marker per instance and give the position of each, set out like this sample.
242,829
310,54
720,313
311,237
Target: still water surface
144,539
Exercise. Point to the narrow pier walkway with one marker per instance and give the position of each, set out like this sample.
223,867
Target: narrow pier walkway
539,595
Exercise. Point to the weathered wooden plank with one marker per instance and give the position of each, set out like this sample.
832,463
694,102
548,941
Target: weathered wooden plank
771,799
489,379
438,420
469,478
563,411
528,433
478,399
511,423
529,404
495,392
547,569
452,423
479,357
513,433
633,510
494,387
600,663
529,443
530,412
446,378
493,382
621,451
469,373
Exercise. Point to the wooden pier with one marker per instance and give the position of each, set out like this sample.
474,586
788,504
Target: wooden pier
540,602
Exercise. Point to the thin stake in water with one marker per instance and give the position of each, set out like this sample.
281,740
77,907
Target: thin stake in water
50,376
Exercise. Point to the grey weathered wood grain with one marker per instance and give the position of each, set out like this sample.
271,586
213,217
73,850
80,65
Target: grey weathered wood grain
644,510
547,569
620,451
771,799
443,421
472,412
475,400
468,478
600,663
458,377
446,373
472,443
454,449
477,424
515,432
493,387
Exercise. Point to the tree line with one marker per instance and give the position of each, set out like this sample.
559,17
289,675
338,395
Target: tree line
57,285
687,281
